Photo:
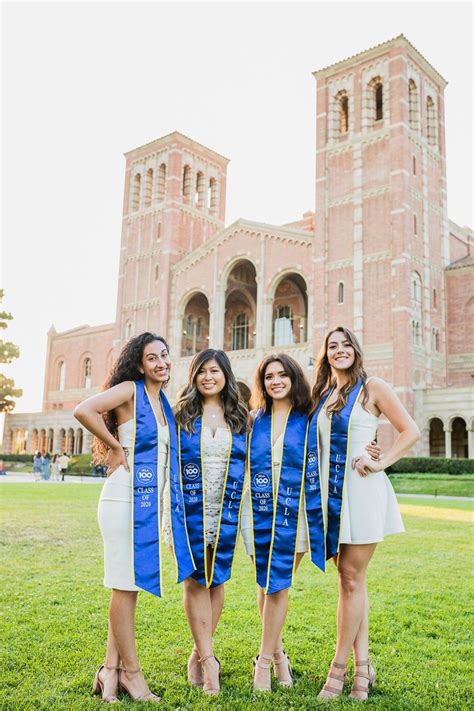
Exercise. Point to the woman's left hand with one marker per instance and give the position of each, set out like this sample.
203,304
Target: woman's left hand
365,465
374,450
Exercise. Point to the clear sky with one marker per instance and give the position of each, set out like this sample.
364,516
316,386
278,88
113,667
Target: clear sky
85,82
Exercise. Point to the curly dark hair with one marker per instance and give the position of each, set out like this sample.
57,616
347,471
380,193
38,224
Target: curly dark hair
300,392
126,367
189,403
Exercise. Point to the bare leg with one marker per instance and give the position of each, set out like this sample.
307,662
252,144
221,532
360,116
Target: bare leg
198,608
361,642
352,567
122,624
108,675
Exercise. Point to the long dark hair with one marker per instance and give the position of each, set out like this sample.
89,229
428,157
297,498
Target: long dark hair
189,403
325,379
300,393
126,367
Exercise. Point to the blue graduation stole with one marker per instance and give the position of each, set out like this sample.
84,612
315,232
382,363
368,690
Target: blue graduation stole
192,466
146,497
324,534
276,520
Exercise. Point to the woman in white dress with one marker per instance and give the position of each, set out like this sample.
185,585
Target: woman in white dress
111,417
212,423
361,506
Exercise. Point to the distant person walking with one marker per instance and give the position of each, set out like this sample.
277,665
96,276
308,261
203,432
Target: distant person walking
55,468
37,465
46,467
63,464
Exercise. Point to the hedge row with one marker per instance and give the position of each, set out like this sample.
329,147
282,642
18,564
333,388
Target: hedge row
432,465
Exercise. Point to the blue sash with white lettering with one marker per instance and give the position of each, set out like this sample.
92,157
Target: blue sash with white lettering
193,472
146,497
276,519
327,546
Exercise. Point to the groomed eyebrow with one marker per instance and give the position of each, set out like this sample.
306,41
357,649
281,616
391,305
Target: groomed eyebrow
279,372
336,343
163,352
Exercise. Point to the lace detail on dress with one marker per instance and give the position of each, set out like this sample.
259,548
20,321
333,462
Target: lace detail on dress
215,451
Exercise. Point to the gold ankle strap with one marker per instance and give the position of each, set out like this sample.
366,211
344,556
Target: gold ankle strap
131,671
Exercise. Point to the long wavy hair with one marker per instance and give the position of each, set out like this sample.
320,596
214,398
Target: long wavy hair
126,367
300,392
190,401
325,378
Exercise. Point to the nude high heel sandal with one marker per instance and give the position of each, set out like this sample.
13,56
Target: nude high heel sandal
370,676
98,685
210,686
332,690
194,669
262,661
282,668
150,696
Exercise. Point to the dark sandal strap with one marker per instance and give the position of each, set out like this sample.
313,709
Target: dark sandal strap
337,676
365,663
360,688
362,675
332,689
338,666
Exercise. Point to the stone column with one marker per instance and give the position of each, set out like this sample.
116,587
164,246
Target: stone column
216,325
447,442
57,441
470,441
86,442
424,444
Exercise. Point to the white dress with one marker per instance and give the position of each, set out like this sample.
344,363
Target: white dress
370,508
215,451
246,516
115,512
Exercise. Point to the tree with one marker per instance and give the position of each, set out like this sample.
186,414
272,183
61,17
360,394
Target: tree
8,352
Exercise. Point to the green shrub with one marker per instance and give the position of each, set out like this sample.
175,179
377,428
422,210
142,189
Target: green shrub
432,465
25,458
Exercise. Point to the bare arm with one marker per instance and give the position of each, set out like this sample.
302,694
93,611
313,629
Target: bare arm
386,400
89,414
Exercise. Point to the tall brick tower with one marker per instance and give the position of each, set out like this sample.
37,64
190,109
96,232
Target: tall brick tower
174,201
381,242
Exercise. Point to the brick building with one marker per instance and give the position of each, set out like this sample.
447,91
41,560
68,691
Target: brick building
378,255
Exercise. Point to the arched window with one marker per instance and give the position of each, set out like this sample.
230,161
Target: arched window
340,293
344,113
435,299
416,288
128,330
62,375
137,182
87,374
414,225
157,272
435,333
283,326
414,165
148,187
199,191
417,334
430,121
186,181
437,439
212,194
413,110
240,332
378,101
161,182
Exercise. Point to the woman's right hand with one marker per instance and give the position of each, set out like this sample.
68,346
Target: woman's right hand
115,458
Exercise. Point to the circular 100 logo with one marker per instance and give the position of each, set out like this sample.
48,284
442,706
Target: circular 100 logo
191,471
261,480
311,458
145,475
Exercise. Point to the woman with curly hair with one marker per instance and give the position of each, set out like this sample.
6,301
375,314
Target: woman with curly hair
361,505
212,425
141,502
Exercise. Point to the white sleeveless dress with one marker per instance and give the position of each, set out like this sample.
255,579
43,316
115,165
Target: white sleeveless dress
246,515
115,512
370,508
215,450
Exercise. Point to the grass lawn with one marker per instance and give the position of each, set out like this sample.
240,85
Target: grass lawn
442,484
53,616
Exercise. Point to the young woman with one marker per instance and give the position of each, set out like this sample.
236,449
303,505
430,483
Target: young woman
46,467
141,501
361,505
273,518
55,468
212,425
37,465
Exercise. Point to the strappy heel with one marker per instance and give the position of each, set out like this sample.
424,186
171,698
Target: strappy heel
262,661
332,689
207,685
150,696
98,685
370,676
195,676
282,668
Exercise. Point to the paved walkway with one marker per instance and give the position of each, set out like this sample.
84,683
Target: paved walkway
432,496
29,478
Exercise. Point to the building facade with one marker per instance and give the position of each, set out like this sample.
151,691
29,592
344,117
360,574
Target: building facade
378,255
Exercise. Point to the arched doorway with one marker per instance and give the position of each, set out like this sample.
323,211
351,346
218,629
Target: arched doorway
437,439
70,441
50,441
290,311
459,449
240,307
195,336
78,441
